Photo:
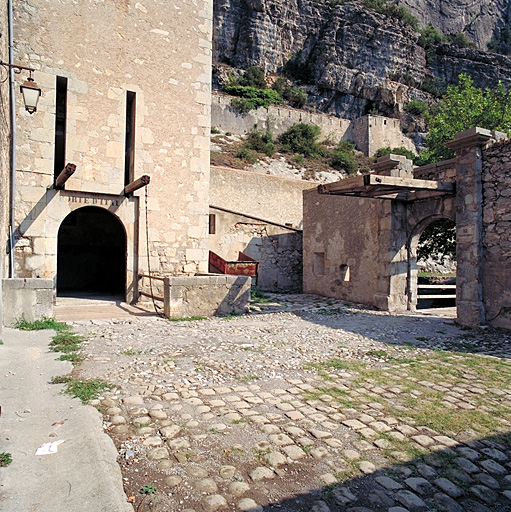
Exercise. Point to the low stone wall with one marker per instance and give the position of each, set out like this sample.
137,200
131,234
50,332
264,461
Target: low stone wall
207,295
30,298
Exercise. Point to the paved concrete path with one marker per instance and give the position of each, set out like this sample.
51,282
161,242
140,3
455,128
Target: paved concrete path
83,475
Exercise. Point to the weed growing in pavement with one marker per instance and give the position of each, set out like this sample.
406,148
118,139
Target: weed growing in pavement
66,342
188,318
258,297
148,489
419,399
377,353
39,325
75,359
131,352
5,459
231,315
237,422
1,342
85,390
249,377
215,431
60,379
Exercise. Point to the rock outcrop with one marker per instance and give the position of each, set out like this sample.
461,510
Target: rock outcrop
355,60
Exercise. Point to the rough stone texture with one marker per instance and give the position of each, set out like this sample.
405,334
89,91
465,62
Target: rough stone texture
496,183
361,249
177,159
369,132
373,268
355,57
28,298
207,295
260,207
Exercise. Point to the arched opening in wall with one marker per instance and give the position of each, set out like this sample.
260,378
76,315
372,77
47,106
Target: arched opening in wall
433,264
91,254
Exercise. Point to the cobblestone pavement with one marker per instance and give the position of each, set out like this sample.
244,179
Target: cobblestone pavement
309,405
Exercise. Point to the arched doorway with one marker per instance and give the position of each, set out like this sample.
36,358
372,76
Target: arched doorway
91,253
432,264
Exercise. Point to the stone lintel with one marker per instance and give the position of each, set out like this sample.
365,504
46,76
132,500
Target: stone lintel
393,165
470,138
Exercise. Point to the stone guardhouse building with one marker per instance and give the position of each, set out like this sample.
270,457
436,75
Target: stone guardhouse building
126,98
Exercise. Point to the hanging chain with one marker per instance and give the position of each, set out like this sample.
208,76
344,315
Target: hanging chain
148,257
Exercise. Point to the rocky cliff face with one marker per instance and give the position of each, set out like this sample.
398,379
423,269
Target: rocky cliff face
478,20
354,59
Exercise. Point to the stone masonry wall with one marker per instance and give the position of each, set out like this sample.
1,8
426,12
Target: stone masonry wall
346,246
271,198
497,233
4,152
159,50
278,250
369,133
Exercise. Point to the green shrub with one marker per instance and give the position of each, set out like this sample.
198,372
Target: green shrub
433,85
430,37
395,151
460,40
280,85
416,107
296,96
394,11
262,143
253,77
248,155
252,98
301,138
342,159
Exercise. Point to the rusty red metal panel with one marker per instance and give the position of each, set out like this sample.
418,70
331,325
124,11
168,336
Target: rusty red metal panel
245,266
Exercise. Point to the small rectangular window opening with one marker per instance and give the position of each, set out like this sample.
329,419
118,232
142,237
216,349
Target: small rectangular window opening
319,263
60,126
129,147
212,224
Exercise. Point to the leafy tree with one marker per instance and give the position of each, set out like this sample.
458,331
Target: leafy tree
302,138
438,240
463,107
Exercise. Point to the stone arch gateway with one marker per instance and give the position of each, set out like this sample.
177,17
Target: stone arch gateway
91,253
367,225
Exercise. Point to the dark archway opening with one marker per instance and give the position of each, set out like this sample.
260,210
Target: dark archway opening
436,259
91,253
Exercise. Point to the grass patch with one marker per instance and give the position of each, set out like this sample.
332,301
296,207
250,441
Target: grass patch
250,377
258,297
1,342
188,318
5,459
85,390
39,325
417,378
75,359
66,342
